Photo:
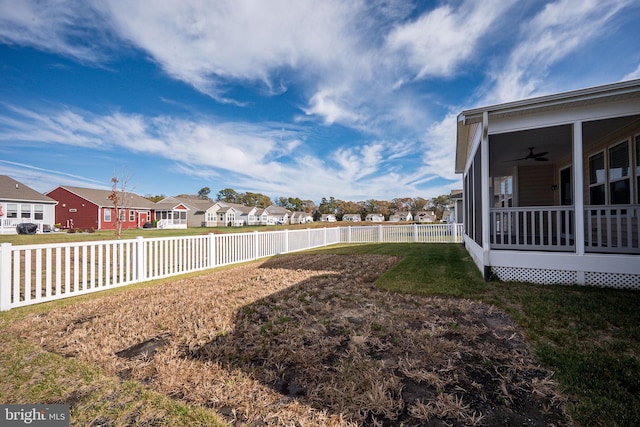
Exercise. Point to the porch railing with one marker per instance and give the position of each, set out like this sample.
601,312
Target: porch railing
607,229
8,225
548,228
612,228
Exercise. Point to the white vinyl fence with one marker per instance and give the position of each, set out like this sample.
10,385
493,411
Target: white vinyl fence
31,274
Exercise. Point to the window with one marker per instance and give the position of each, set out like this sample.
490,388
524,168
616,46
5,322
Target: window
132,215
25,211
619,183
107,215
503,191
12,210
596,179
38,212
122,213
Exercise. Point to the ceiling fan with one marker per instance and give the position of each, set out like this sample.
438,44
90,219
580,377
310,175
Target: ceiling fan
534,156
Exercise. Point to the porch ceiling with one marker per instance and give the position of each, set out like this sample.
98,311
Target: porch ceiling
505,148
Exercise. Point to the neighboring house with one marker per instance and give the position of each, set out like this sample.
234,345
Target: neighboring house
352,217
551,187
374,217
171,215
426,216
454,213
222,214
196,208
88,208
301,218
328,218
400,216
277,215
22,204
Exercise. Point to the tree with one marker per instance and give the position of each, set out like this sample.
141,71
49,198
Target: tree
204,193
118,197
439,204
156,198
228,195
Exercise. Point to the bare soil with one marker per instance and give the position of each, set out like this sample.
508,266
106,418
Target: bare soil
307,340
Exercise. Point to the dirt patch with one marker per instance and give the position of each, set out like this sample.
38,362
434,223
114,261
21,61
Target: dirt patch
308,340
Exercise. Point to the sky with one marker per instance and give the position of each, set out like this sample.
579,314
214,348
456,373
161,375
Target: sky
354,99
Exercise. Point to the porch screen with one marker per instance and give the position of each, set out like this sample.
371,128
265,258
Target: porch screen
596,179
619,185
637,168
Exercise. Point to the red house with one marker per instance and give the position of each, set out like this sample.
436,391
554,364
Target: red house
85,208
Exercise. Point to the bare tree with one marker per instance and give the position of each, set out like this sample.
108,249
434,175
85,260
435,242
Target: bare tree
119,196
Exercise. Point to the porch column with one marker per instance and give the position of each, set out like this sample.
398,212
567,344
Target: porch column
486,197
578,188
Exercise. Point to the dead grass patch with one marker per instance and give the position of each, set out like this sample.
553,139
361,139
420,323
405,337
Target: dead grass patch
309,340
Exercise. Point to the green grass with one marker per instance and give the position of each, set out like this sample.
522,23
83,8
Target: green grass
589,337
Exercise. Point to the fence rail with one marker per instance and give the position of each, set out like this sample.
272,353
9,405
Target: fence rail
31,274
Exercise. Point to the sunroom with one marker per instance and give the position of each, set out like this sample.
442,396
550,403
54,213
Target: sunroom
552,187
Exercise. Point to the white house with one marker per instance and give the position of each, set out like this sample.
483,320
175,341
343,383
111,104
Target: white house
197,208
277,215
401,216
552,185
426,216
328,218
352,217
22,204
374,217
301,218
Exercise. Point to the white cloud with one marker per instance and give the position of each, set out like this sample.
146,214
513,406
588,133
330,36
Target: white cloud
207,43
440,41
560,29
440,148
70,28
256,157
635,74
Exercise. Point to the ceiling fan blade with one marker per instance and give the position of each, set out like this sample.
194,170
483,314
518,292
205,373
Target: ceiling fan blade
541,159
544,153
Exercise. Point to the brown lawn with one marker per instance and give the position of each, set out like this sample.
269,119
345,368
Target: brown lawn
308,340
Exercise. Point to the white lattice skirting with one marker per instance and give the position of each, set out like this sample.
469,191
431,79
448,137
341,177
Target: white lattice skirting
564,277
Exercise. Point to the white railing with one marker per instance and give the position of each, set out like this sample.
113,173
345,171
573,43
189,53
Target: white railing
548,228
612,228
32,274
8,225
413,233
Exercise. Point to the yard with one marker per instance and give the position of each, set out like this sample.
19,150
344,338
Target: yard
309,339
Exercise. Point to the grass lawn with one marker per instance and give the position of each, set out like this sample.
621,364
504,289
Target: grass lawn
589,337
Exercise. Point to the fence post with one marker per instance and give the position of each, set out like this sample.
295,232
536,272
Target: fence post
212,250
5,276
380,233
349,234
286,241
415,233
455,232
141,265
256,252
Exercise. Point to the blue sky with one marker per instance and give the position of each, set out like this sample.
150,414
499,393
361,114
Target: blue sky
352,99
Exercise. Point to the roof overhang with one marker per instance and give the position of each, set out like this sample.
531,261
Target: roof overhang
468,119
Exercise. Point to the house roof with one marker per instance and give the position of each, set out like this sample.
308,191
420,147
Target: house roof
194,204
101,198
469,121
277,210
12,190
